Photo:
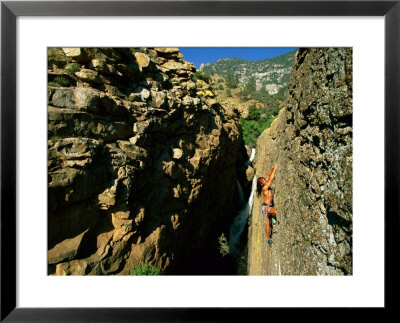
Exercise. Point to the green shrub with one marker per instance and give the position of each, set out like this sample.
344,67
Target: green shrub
146,270
201,76
72,68
60,81
228,93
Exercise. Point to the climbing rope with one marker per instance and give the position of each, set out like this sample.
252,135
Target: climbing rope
267,220
266,273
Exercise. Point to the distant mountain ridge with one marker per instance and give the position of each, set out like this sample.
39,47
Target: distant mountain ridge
272,73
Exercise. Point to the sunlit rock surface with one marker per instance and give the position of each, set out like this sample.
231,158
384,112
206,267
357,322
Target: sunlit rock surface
141,169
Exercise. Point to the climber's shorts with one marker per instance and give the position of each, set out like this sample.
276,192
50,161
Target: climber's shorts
265,209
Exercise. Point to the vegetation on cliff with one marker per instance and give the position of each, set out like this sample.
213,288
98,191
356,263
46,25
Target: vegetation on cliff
146,270
256,88
271,73
257,120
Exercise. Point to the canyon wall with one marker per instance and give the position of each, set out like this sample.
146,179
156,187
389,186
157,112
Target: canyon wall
141,163
311,144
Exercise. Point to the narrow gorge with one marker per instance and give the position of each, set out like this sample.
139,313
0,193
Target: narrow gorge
147,165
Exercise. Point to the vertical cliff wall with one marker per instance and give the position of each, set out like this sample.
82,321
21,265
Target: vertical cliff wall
311,143
138,150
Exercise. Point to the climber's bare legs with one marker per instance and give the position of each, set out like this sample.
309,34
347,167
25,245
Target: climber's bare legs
272,213
268,227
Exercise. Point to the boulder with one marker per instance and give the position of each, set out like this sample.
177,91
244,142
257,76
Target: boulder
101,66
87,99
62,98
173,66
65,250
56,57
144,94
142,60
72,52
108,197
87,75
190,85
177,153
158,98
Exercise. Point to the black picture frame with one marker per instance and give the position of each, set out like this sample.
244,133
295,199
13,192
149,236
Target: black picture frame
10,10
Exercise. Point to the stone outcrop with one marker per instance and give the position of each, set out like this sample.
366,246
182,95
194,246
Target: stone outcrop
136,158
311,143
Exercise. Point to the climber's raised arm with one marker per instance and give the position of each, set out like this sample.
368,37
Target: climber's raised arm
270,172
270,178
264,183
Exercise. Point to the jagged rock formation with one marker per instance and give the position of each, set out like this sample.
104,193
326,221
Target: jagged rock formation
311,143
136,158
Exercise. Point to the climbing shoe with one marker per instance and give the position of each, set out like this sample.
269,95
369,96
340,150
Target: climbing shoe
270,242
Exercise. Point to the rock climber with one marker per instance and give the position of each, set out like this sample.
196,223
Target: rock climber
267,209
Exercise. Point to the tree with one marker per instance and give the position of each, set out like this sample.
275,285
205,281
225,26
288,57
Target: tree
232,81
263,93
251,85
254,113
282,93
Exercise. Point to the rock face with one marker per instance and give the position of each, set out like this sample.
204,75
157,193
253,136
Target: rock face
136,159
311,143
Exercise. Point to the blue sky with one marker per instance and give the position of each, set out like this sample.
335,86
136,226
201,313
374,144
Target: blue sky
198,55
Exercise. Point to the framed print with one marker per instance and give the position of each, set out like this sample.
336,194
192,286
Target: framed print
115,69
